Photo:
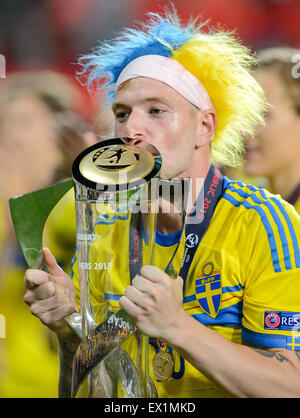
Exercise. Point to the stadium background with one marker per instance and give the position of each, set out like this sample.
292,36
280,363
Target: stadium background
51,34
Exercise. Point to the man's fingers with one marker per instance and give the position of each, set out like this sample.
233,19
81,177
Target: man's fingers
134,295
41,292
131,308
180,283
154,274
151,273
143,285
34,278
54,317
51,297
54,268
45,305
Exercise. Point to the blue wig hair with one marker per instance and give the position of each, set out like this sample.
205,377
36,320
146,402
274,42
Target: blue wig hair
158,36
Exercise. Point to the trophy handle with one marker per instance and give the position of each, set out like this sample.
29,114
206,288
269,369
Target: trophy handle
29,214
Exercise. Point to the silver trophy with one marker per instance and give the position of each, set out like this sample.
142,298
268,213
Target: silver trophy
116,201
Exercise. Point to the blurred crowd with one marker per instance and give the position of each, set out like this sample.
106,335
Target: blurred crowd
47,118
52,33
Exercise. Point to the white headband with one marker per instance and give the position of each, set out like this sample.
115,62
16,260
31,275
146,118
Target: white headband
170,72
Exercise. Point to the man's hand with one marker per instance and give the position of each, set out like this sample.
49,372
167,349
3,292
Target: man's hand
154,301
51,297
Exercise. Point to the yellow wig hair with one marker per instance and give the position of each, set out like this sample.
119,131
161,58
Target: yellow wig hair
223,66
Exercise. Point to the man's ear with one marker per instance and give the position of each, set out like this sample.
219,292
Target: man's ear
207,126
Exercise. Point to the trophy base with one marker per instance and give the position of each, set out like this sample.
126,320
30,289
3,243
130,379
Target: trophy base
115,377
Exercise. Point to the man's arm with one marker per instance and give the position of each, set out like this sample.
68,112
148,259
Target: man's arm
51,298
242,370
154,301
66,354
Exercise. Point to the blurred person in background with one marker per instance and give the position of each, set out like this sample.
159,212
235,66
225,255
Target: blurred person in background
41,132
274,152
33,106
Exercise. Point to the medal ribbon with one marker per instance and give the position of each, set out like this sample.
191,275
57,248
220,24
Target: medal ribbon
204,210
194,231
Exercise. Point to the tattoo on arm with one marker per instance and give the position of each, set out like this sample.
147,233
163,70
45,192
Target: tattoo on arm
278,356
270,353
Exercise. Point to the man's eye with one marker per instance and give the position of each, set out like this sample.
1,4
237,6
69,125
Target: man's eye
156,111
121,115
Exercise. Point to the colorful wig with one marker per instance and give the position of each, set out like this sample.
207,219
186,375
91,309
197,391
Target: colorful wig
216,59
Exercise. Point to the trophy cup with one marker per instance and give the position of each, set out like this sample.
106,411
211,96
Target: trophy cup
116,195
115,201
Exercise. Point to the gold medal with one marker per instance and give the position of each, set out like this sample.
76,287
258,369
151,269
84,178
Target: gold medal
115,163
162,365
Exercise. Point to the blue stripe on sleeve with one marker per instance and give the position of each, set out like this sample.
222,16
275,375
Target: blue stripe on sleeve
291,229
227,289
266,223
268,204
269,340
229,316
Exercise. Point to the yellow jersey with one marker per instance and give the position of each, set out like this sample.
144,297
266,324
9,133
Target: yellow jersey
243,281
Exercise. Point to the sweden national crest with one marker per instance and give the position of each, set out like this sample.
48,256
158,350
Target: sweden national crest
209,293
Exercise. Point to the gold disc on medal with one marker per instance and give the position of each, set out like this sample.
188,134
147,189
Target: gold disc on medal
162,365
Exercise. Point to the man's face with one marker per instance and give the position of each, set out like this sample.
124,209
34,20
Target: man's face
150,111
277,144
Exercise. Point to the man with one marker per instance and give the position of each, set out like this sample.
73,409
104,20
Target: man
267,154
190,94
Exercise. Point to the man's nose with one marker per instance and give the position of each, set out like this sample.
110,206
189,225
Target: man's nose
135,128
